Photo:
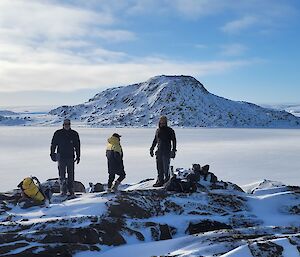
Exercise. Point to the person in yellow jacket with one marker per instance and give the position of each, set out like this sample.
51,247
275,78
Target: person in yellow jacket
114,154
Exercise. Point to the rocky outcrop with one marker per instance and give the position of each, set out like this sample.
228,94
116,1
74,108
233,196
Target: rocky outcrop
94,220
53,183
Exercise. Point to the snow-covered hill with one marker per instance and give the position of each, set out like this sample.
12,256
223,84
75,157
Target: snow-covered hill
20,116
291,108
10,118
182,98
7,113
219,219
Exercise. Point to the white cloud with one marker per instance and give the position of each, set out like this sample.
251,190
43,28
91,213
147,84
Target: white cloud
43,43
115,35
38,22
40,19
240,24
47,45
68,77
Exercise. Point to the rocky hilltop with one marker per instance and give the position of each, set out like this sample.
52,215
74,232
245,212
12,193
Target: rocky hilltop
183,99
219,219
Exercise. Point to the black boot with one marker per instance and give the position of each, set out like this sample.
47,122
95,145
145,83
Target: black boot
158,184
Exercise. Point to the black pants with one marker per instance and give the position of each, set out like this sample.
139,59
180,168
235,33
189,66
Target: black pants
163,166
112,176
66,166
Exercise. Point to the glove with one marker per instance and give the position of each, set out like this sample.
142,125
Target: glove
151,153
53,157
173,154
77,160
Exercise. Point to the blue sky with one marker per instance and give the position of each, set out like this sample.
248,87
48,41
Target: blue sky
63,52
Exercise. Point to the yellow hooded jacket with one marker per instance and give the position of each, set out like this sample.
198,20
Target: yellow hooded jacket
114,154
31,190
114,145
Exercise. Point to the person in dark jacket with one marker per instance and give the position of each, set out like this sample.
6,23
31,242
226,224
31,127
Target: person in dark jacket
114,154
65,143
165,139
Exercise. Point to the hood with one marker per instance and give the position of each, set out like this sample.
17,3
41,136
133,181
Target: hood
113,140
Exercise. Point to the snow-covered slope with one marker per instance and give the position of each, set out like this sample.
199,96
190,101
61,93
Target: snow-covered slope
219,219
7,113
20,115
291,108
9,120
182,98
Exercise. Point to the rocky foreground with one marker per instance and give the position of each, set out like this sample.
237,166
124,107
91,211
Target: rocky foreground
220,219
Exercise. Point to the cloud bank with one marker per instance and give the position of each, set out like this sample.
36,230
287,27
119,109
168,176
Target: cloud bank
64,45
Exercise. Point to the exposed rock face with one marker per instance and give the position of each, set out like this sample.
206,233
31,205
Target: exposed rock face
182,98
148,215
266,249
206,225
53,183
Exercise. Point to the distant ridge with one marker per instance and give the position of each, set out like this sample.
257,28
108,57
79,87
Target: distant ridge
185,101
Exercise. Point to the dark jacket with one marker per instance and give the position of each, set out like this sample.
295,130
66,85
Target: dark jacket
114,156
164,136
67,142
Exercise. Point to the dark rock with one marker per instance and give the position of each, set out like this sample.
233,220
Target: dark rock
109,231
4,207
72,235
199,213
266,249
9,237
160,231
225,185
295,189
154,233
98,187
205,226
10,196
113,238
230,202
295,209
165,233
79,187
138,204
138,234
53,183
170,206
295,240
4,249
239,220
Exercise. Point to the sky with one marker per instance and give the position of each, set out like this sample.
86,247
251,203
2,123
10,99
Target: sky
56,52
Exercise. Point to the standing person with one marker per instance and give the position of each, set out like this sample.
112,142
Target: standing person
66,141
114,154
165,139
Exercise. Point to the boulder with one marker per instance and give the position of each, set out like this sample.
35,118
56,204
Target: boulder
205,226
53,183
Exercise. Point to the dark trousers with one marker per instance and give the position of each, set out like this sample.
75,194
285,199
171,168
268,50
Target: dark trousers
66,166
163,166
112,176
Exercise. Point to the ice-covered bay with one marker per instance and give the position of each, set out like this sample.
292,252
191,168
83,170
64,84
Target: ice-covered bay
241,156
